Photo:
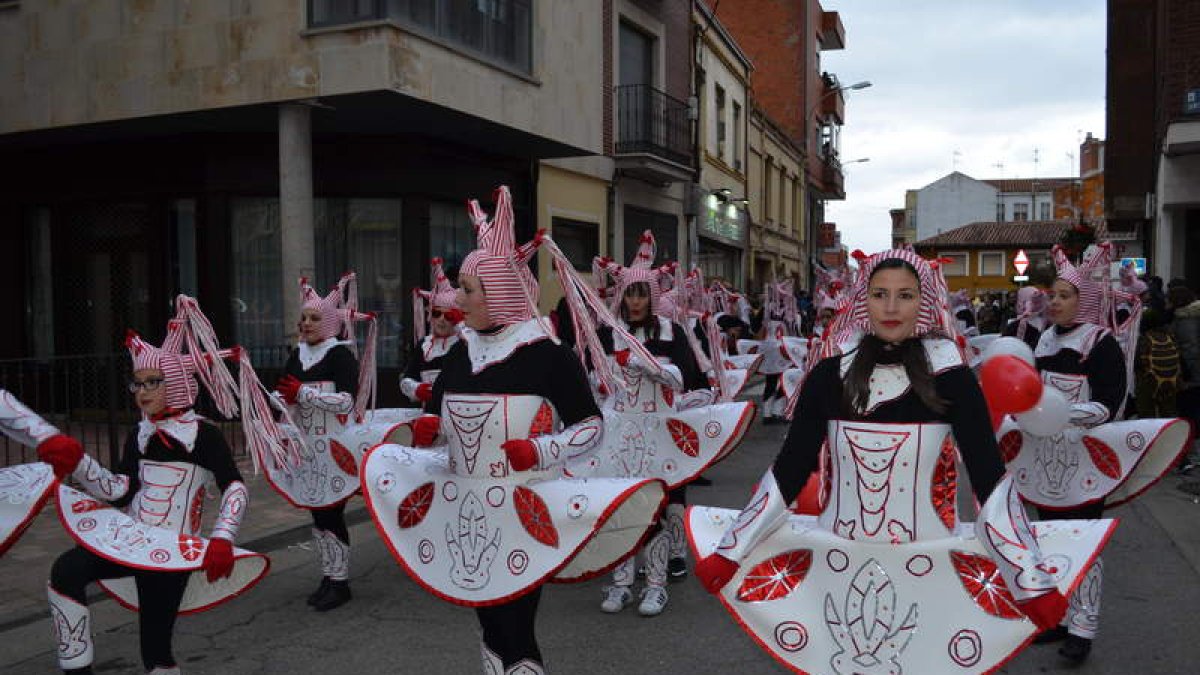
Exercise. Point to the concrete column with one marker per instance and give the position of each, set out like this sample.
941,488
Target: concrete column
295,206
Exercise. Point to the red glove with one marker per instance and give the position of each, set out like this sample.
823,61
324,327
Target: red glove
425,430
1046,610
715,571
622,357
522,453
218,559
61,452
454,315
289,387
424,392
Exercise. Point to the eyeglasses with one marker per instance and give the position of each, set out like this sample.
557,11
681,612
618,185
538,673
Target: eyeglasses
149,385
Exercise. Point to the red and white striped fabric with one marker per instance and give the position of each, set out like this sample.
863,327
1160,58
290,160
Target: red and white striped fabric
500,264
640,270
440,294
1090,279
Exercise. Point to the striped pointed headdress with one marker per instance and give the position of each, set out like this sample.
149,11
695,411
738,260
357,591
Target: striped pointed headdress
440,294
640,270
1091,279
501,265
339,311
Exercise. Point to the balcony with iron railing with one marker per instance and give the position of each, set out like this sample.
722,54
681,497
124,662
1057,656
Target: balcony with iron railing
654,135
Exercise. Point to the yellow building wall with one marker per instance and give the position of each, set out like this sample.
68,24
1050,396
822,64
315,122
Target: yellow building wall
973,281
567,194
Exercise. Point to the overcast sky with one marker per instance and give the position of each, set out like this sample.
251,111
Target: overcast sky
961,85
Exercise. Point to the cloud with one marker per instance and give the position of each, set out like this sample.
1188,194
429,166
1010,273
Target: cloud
991,80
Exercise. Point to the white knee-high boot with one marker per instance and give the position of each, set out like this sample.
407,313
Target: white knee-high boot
674,527
1083,607
335,555
72,628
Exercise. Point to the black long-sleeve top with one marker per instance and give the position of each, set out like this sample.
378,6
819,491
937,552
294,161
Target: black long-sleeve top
676,349
1032,334
338,366
210,451
821,401
417,363
543,368
1104,367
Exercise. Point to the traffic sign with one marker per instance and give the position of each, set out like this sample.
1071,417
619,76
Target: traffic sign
1021,262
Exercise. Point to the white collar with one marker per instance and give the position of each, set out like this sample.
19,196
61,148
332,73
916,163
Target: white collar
490,349
311,355
182,428
434,346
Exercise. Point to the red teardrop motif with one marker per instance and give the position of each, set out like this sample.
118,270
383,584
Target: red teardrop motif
668,395
535,517
685,437
775,577
543,421
414,507
982,581
1104,457
343,458
1010,445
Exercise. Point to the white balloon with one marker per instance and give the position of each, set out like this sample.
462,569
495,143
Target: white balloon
1049,416
1009,345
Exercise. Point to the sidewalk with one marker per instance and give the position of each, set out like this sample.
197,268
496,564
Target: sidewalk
271,524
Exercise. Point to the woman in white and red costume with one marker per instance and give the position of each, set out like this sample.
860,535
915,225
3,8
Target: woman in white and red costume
138,526
435,307
490,516
885,579
780,324
1094,460
1031,316
328,390
665,424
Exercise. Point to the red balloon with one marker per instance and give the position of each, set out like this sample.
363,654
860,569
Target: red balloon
1010,384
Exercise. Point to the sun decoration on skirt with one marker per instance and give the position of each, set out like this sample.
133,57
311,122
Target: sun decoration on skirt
775,577
982,581
190,547
535,517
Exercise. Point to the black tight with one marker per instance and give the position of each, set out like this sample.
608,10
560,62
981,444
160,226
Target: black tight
508,629
332,519
159,594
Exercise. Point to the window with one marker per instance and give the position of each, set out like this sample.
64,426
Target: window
999,212
636,57
737,136
991,263
664,226
768,174
783,200
578,239
450,234
1020,211
720,119
1044,211
499,30
956,265
359,234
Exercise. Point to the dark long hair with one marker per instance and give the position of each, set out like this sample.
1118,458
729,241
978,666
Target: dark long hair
641,288
856,388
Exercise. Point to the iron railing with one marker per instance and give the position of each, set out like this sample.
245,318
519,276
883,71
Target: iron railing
650,121
86,397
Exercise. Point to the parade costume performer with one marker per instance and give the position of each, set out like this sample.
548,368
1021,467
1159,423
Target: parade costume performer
665,424
485,519
436,306
832,301
24,488
138,527
964,314
886,579
1031,316
327,390
1094,460
779,326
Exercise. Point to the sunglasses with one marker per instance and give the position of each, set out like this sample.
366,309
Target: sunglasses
149,385
436,313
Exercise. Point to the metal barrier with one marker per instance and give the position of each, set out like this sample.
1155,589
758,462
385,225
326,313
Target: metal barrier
86,397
